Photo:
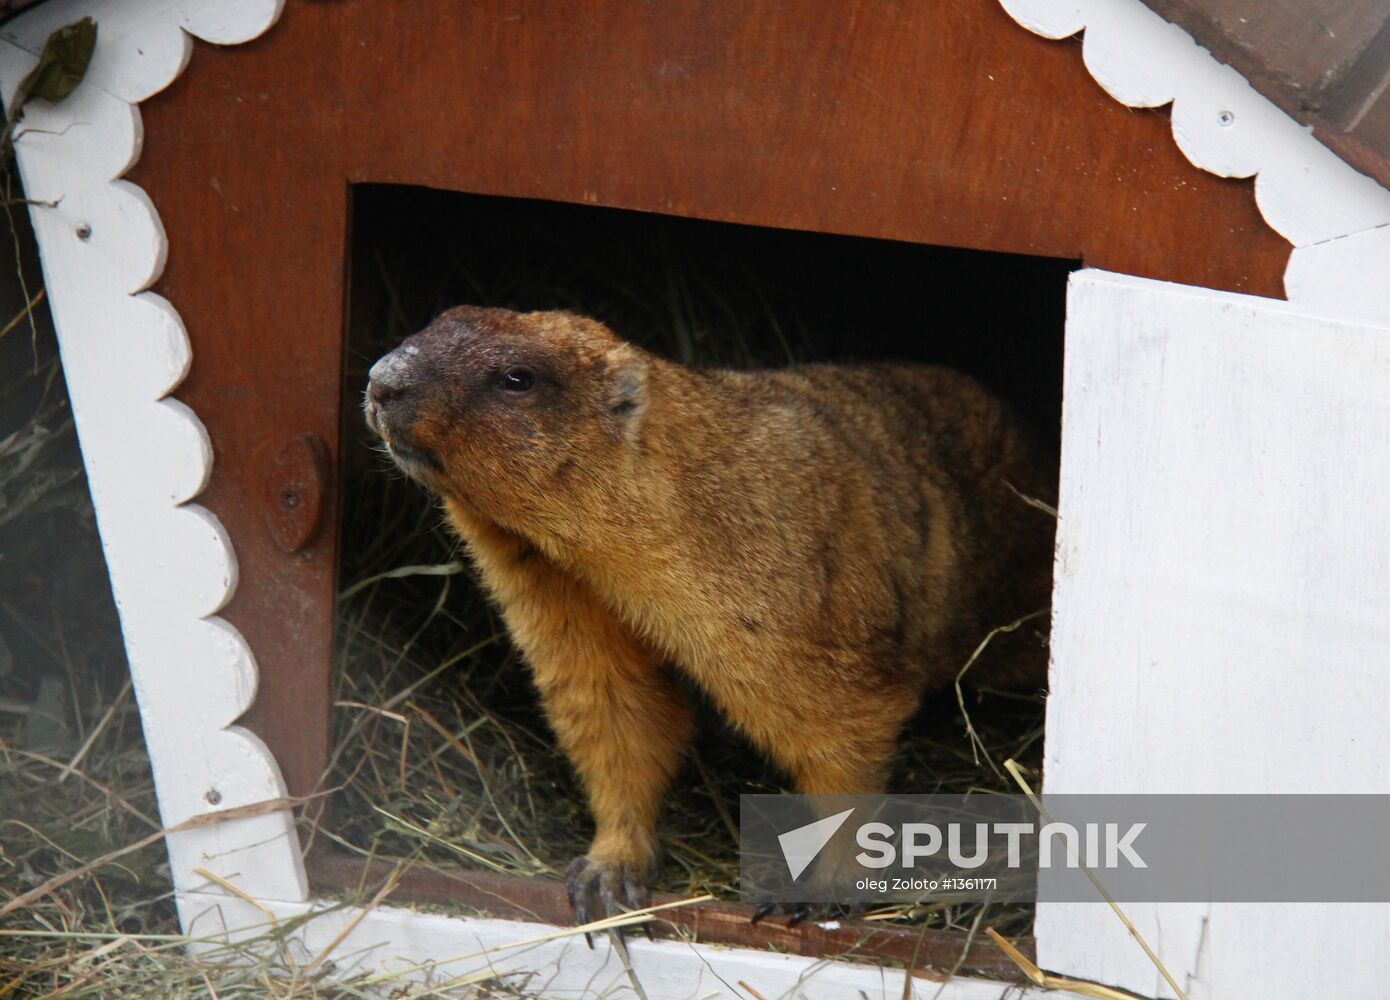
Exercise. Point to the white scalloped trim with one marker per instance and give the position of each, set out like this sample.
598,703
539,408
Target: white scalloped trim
1334,216
124,350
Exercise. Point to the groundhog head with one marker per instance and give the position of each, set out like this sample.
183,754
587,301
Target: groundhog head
504,412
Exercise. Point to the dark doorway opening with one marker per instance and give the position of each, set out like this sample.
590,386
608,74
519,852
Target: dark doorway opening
441,748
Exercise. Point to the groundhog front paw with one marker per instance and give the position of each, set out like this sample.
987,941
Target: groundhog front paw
816,913
620,887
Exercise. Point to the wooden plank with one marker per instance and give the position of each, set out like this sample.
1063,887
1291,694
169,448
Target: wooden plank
1327,65
432,952
1219,618
147,456
1361,107
935,123
544,901
1305,46
1367,146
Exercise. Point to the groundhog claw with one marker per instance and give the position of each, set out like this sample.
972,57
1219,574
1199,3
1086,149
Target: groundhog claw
799,913
588,882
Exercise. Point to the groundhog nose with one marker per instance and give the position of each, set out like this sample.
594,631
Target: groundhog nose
387,377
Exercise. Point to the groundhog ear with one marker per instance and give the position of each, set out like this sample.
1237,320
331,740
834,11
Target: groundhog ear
626,401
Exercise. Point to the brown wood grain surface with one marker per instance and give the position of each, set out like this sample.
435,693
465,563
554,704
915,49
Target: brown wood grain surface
933,123
544,900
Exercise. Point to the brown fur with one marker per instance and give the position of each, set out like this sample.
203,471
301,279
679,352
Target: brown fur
814,547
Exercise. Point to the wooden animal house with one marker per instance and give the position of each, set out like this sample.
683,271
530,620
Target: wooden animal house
206,204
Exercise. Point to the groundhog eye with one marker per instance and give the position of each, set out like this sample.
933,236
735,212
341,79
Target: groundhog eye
518,379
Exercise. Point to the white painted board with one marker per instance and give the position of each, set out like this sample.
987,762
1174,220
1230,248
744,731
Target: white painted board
1222,605
394,946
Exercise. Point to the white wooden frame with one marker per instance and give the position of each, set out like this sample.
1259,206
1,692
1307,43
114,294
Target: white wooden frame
172,566
1223,571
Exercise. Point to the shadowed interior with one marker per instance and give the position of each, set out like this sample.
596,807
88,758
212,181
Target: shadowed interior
477,779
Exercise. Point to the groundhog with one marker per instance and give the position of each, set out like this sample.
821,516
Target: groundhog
814,547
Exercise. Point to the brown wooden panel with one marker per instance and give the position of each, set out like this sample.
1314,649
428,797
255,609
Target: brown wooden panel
934,123
712,923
